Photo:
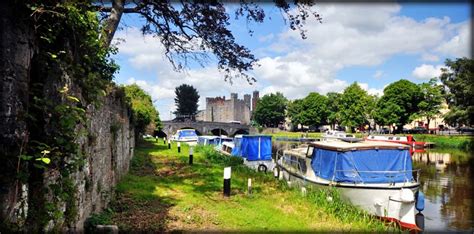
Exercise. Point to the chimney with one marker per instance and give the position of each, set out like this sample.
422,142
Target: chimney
255,99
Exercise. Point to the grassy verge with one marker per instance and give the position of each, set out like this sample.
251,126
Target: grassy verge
163,193
443,141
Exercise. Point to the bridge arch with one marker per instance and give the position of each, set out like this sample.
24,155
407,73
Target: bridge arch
241,132
219,132
160,134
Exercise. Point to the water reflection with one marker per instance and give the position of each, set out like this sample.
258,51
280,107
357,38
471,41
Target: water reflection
446,180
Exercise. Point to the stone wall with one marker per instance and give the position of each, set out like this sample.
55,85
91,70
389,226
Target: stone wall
106,140
109,146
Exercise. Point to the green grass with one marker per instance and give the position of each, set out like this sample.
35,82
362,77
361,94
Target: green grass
443,141
163,193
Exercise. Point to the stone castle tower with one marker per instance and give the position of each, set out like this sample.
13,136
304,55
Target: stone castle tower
220,109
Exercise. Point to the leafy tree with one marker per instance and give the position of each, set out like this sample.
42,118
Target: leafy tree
143,111
186,100
294,111
190,29
353,106
270,110
158,123
432,99
334,116
372,108
310,111
459,88
399,103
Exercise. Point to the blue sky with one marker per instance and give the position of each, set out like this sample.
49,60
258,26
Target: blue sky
372,44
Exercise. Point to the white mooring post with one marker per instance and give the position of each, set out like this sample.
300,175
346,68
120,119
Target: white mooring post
249,186
190,155
169,144
164,140
179,147
227,172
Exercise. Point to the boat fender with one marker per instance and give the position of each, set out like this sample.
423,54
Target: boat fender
276,172
262,168
420,201
406,195
420,221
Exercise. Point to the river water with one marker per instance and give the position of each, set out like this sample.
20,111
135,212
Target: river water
447,177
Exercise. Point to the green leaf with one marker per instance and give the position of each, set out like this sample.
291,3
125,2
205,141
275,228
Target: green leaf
25,157
72,98
45,160
64,89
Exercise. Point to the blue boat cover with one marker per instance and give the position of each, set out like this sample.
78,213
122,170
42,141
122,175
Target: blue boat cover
363,166
254,148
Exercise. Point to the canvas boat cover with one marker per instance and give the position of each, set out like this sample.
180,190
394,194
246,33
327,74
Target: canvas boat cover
384,165
253,148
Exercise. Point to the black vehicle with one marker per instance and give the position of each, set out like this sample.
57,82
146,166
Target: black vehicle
418,130
465,129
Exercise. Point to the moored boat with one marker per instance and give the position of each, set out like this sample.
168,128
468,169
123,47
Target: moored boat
207,140
375,176
406,140
339,136
185,135
256,151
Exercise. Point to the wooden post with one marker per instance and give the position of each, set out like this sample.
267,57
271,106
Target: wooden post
169,144
249,186
164,140
179,147
227,173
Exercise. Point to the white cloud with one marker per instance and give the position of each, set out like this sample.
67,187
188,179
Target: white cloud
378,74
426,71
371,91
266,38
429,57
350,35
460,44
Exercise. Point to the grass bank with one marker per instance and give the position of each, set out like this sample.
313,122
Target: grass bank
163,193
441,141
446,141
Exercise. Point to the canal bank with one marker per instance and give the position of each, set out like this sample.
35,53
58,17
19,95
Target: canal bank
164,193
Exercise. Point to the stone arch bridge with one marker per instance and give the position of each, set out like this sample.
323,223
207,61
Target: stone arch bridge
205,128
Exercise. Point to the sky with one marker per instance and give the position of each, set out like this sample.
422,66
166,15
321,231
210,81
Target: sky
371,44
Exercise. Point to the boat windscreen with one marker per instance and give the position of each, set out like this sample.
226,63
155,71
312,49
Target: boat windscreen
237,150
187,133
363,166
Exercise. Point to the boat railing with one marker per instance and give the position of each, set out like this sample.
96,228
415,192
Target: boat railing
390,175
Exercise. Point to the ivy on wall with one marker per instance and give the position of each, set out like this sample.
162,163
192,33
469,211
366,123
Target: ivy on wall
70,70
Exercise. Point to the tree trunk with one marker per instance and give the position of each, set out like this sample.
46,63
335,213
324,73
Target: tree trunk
112,22
16,51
